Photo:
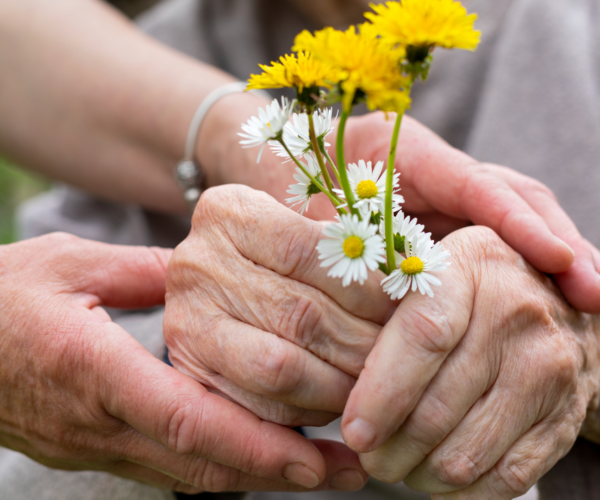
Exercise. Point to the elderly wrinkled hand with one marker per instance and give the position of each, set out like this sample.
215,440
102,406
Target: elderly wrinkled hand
443,186
252,315
477,392
495,370
448,189
77,392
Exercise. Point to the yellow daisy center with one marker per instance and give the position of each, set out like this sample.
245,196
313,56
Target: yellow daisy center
412,266
353,247
366,189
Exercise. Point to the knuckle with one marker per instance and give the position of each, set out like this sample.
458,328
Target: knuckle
214,478
429,330
484,242
288,414
297,244
206,256
432,423
186,268
484,235
213,204
254,456
299,319
533,187
182,431
457,470
560,363
568,430
231,204
480,248
223,205
282,371
381,466
579,412
515,478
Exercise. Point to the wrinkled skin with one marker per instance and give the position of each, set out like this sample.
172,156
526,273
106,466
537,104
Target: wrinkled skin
445,188
496,361
251,314
495,374
79,393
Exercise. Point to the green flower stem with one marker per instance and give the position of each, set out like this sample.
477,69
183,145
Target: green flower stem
389,186
317,151
383,268
333,165
336,201
389,226
342,164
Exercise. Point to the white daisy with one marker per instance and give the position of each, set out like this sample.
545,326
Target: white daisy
305,188
422,258
368,186
352,246
405,230
267,126
296,133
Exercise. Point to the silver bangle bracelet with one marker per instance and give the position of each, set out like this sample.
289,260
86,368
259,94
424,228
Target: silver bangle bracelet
188,173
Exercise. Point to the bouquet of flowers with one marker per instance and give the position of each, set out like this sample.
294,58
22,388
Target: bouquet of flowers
376,63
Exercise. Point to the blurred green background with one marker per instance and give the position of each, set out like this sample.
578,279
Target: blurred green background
16,185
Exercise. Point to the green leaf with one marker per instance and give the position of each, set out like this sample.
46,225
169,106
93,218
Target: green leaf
376,218
399,245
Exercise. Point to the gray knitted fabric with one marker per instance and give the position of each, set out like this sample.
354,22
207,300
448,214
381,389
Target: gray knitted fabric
529,98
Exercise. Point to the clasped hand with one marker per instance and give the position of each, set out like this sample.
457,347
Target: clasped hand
475,393
77,392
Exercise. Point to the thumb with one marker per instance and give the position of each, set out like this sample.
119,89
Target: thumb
173,409
581,283
119,276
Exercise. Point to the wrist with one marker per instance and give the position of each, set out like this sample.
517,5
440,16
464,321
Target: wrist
217,147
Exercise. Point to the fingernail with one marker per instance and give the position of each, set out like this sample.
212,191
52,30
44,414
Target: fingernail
347,480
569,248
300,474
566,246
359,435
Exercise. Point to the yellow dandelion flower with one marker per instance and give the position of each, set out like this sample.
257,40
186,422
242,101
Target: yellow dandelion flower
425,23
298,71
366,65
347,50
396,101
